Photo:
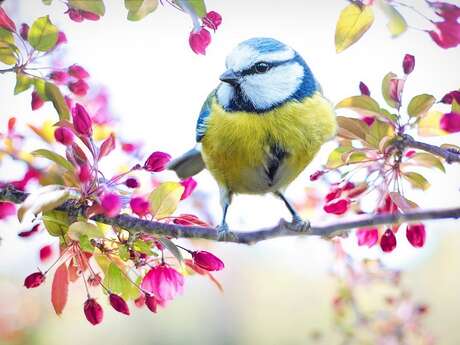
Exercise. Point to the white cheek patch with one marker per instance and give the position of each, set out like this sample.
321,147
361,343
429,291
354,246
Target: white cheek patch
273,87
225,94
245,56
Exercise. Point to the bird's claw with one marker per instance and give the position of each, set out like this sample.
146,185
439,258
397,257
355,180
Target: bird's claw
224,234
299,225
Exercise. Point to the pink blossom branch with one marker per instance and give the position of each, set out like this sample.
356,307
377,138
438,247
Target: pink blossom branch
283,229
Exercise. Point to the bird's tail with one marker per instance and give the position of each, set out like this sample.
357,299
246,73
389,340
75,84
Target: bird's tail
189,164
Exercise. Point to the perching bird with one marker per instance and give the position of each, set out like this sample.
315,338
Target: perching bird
260,128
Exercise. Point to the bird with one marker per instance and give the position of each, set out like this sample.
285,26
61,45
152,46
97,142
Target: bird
261,127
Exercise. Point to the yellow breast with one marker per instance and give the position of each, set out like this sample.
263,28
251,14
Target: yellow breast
236,144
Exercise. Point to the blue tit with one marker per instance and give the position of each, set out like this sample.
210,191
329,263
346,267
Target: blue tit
261,126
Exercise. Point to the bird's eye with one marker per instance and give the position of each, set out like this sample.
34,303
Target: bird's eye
261,67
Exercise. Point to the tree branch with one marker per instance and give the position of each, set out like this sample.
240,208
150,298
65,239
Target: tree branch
449,155
283,229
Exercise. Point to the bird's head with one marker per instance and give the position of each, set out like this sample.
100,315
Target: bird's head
263,73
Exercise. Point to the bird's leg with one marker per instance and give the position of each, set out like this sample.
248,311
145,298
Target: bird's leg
297,222
223,233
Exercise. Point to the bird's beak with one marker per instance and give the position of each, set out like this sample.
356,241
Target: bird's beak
230,76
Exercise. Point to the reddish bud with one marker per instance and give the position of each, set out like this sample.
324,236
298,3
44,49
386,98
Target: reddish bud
89,15
119,304
68,102
388,241
447,34
132,182
408,64
368,120
139,206
367,236
189,186
333,194
111,204
64,136
140,301
337,207
416,235
84,173
78,72
62,38
24,31
46,252
207,261
396,88
37,102
33,280
81,120
94,280
151,302
59,77
410,153
316,175
189,219
30,232
93,311
75,15
364,89
199,41
79,88
7,209
450,97
6,22
348,186
157,161
212,20
450,122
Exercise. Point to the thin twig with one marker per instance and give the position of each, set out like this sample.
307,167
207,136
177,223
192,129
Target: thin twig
449,155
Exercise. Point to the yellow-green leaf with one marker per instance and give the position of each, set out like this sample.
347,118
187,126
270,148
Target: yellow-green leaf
78,229
40,88
56,97
420,104
428,125
350,128
335,158
56,222
198,6
56,158
93,6
416,180
365,105
428,160
6,36
7,55
377,132
353,22
397,25
43,34
23,82
165,199
138,9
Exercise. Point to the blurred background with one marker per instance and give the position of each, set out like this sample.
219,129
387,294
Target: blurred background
277,292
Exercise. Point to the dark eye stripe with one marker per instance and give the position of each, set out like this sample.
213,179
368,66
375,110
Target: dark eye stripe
252,69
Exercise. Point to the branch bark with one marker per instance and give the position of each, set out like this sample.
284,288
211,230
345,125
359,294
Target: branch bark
283,229
450,156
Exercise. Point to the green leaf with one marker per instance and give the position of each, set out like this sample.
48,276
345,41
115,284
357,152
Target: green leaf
335,158
397,25
40,88
78,229
361,104
56,158
23,82
416,180
123,252
173,249
143,247
56,222
353,22
6,36
420,104
43,35
198,6
85,244
47,2
55,95
138,9
350,128
377,132
7,55
117,282
165,199
93,6
428,160
386,89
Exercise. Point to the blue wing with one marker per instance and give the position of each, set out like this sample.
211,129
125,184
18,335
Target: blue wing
201,124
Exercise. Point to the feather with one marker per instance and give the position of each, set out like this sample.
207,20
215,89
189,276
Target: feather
189,164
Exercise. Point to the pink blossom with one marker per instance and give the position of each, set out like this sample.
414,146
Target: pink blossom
85,173
139,206
81,120
7,209
189,186
408,64
119,304
157,161
33,280
79,87
111,204
396,89
388,241
62,38
163,282
24,31
78,72
337,207
64,136
93,311
450,122
367,236
37,102
416,235
450,97
6,22
59,77
447,34
207,261
212,20
449,12
199,41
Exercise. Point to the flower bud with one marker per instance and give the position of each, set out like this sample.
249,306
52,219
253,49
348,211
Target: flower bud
79,88
316,175
416,234
81,120
33,280
7,209
333,194
388,241
111,204
408,64
62,38
59,77
89,15
410,153
212,20
367,236
37,102
157,161
364,89
151,302
139,206
75,15
207,261
450,97
132,182
199,41
46,252
368,120
6,22
337,207
78,72
30,232
93,311
84,173
64,136
189,186
450,122
24,31
119,304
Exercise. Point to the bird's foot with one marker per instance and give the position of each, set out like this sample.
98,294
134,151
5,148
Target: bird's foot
224,234
299,225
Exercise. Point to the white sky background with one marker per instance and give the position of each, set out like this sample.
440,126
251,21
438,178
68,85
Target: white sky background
157,84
